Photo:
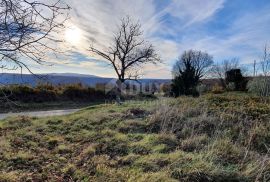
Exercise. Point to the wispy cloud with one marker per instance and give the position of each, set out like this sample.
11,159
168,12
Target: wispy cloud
219,27
194,11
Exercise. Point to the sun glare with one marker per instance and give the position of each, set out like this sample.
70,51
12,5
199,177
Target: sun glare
73,35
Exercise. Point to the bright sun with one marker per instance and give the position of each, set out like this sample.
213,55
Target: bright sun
73,35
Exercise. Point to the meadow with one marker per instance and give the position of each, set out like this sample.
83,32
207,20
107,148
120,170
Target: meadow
216,137
206,119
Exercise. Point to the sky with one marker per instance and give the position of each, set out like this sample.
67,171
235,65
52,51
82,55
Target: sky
224,28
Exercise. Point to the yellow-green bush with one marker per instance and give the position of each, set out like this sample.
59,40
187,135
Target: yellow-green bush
216,89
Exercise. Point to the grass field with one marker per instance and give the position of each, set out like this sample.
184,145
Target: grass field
24,107
212,138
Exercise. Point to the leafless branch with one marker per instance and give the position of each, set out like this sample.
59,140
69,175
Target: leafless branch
28,29
197,60
128,51
219,70
265,63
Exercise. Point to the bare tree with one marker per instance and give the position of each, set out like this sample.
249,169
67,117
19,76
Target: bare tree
128,52
254,68
260,85
27,31
219,70
197,60
265,63
188,70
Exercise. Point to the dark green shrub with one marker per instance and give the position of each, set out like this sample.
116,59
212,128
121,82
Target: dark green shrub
235,76
188,71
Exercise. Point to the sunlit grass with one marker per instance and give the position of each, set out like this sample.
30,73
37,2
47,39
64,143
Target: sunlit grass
211,138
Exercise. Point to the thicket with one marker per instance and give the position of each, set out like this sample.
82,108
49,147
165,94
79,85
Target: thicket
235,80
260,86
188,71
49,93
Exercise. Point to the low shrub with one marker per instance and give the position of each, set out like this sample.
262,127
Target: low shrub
260,86
216,89
201,88
166,89
230,86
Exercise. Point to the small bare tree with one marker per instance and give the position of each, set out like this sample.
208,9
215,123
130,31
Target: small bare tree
219,69
128,51
265,63
254,68
27,31
261,85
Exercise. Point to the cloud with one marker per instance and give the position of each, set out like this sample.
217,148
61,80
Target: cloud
194,11
173,26
168,50
98,19
244,38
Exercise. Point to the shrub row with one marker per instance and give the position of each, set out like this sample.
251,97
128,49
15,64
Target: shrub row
49,93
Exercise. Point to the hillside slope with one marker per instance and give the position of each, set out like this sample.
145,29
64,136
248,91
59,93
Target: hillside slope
212,138
63,78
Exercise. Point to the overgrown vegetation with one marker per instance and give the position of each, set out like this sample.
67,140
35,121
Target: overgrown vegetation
260,86
49,93
235,77
18,98
188,71
211,138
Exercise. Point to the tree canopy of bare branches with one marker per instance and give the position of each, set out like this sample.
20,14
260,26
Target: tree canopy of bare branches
188,70
199,61
261,85
219,70
265,63
28,29
128,51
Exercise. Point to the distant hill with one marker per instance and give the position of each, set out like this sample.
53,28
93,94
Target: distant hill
73,75
62,78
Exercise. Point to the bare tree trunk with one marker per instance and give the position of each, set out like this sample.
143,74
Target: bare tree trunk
119,91
254,68
223,83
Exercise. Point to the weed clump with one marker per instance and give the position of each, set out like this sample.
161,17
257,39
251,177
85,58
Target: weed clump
136,113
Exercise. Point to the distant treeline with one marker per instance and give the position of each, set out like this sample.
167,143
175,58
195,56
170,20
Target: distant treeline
71,92
49,93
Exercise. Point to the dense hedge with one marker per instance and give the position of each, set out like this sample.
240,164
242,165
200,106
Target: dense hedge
49,93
